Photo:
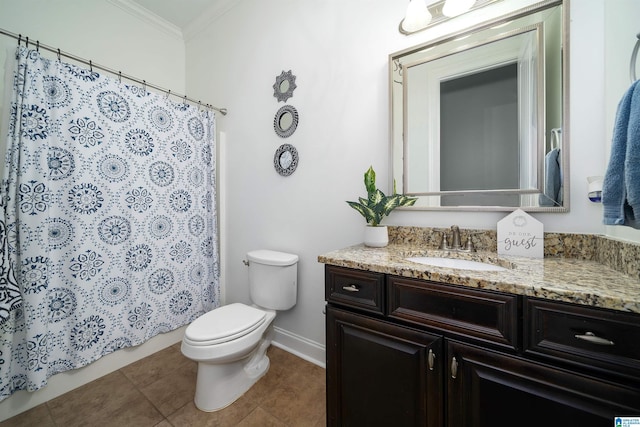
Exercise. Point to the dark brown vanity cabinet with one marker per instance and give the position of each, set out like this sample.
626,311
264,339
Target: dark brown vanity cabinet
487,388
410,352
381,374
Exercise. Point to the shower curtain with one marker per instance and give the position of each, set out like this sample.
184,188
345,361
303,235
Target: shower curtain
109,232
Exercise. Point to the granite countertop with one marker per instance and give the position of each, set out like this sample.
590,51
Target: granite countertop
560,279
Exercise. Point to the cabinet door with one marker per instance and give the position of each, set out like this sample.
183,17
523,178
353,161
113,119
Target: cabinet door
379,374
485,388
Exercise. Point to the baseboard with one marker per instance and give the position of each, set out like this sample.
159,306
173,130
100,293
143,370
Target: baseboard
302,347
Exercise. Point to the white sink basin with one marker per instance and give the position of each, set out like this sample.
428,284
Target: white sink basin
461,264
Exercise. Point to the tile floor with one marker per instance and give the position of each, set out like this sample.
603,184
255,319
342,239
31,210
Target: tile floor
158,391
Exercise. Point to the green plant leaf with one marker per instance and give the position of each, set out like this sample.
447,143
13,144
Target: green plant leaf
370,180
365,211
377,205
406,200
389,204
376,197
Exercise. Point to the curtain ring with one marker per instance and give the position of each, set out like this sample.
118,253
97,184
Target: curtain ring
168,94
19,39
58,54
90,66
119,76
199,105
26,43
184,100
37,45
144,86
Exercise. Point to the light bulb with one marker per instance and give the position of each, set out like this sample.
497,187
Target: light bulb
417,16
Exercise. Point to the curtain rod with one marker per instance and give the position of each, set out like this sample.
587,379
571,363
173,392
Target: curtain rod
92,65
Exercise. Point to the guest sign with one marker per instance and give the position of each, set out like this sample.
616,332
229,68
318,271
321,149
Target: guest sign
520,234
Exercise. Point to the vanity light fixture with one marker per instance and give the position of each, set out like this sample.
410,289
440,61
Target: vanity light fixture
416,18
420,17
453,8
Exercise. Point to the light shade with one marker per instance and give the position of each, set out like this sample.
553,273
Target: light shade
456,7
417,16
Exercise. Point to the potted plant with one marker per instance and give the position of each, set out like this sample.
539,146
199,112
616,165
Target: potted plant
375,207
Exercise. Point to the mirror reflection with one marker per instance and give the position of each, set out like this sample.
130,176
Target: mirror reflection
476,116
286,120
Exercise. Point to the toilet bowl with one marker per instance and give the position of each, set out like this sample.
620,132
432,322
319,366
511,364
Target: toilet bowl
230,342
229,361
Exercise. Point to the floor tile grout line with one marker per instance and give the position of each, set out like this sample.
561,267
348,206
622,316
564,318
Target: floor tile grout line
53,420
176,411
135,386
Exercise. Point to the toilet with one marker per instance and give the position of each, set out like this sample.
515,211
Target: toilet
230,342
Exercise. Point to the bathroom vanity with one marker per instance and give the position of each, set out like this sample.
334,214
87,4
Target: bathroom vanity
543,343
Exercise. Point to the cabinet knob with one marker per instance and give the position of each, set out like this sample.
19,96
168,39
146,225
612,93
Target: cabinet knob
454,368
431,359
594,339
351,288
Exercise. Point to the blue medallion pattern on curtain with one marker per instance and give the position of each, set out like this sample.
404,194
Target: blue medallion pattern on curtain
109,232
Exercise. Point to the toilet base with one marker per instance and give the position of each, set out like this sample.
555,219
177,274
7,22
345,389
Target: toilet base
219,385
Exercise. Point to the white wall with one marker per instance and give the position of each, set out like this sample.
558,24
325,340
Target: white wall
107,35
339,51
102,32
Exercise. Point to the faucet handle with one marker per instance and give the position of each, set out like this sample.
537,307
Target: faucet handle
469,245
444,244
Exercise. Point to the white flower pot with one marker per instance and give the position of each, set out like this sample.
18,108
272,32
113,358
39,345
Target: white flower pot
376,236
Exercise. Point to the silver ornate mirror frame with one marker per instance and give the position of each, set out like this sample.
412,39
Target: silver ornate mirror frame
284,86
285,159
285,122
518,22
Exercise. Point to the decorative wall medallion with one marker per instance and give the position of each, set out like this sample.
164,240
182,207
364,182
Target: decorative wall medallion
286,159
286,121
284,86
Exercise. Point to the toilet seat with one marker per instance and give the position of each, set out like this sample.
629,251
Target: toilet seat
224,324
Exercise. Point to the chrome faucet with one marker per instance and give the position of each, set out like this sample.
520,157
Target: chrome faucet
455,241
455,237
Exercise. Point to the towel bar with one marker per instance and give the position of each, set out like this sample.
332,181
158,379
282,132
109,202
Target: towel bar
634,57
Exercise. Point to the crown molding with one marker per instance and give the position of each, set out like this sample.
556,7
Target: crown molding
146,15
215,11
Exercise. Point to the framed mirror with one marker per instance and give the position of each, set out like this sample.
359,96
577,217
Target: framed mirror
479,118
285,160
284,86
286,121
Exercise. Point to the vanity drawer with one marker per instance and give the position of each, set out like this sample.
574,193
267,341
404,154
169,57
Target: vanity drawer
355,288
485,315
605,340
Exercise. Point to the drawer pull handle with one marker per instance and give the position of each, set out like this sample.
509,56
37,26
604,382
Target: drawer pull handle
594,339
351,288
454,368
431,359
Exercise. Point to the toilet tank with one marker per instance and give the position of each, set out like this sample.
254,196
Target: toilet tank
273,279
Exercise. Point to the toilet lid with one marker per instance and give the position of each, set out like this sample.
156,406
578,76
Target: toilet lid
224,324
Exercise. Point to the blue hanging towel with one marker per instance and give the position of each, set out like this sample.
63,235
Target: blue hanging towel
552,180
621,186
